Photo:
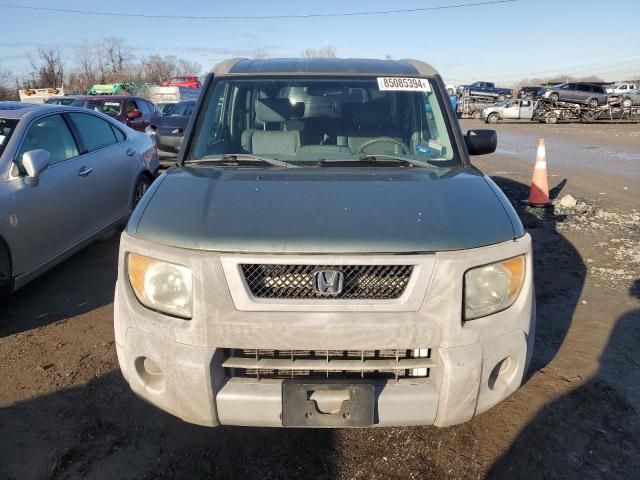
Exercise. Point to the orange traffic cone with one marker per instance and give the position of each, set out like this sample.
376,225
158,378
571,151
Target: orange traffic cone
539,193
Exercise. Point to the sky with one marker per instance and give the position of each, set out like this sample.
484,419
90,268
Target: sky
503,42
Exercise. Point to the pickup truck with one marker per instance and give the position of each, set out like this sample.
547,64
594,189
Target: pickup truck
522,109
486,89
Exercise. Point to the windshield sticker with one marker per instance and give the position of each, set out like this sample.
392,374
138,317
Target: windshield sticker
423,149
403,84
435,145
111,104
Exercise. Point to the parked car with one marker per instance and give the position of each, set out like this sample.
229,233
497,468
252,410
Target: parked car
335,261
621,88
164,107
64,100
135,112
167,130
528,92
486,89
631,98
522,109
189,81
574,92
69,176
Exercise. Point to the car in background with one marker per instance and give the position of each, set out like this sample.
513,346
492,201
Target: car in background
621,88
164,107
65,100
576,92
70,176
487,90
631,98
133,111
528,92
189,81
168,130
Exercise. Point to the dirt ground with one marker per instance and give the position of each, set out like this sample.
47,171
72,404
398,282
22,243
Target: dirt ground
66,412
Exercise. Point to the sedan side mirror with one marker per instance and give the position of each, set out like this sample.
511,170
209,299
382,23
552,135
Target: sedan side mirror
134,114
481,142
35,162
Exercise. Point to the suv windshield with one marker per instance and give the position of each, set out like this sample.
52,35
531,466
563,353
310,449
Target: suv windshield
7,126
307,119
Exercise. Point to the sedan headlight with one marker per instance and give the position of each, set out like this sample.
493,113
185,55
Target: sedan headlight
162,286
492,288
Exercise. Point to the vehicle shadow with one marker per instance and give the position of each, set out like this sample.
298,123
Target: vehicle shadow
78,285
103,431
559,272
593,431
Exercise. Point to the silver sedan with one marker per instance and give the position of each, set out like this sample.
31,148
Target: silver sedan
67,176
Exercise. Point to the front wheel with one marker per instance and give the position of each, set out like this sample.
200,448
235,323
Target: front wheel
501,98
142,185
554,97
475,114
626,102
493,118
552,118
593,102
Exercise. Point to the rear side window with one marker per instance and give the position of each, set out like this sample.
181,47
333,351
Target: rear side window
51,133
120,137
94,132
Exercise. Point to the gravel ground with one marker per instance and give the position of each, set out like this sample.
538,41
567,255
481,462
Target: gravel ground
66,412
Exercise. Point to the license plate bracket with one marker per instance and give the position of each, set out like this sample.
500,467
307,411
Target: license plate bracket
299,409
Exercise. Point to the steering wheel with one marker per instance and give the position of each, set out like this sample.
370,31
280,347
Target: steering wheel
373,141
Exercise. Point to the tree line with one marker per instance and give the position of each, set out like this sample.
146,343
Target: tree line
106,61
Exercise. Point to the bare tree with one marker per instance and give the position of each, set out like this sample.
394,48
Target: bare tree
117,57
324,52
48,68
260,53
388,56
186,67
5,90
158,69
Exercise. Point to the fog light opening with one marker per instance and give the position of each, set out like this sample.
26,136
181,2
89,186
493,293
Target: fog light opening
150,374
502,373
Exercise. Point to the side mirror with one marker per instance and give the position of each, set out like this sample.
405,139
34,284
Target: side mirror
481,142
35,162
134,114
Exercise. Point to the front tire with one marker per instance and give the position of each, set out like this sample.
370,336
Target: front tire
552,119
501,98
142,185
626,102
493,118
554,97
593,102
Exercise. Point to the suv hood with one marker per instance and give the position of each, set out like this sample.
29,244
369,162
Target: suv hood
324,210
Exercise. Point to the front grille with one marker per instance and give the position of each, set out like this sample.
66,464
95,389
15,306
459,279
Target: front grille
394,364
361,282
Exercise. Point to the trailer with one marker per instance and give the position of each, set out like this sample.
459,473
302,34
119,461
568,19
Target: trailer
39,95
547,111
471,106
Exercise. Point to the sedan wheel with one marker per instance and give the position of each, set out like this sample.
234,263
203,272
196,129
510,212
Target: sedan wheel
554,97
593,102
142,185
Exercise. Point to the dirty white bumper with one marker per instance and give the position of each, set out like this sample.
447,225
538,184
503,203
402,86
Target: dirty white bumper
473,365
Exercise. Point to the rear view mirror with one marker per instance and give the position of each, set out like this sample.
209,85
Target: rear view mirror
481,141
35,162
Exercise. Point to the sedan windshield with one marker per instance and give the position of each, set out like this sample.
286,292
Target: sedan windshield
7,126
302,120
181,109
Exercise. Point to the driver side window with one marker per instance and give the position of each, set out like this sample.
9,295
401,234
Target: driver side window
50,133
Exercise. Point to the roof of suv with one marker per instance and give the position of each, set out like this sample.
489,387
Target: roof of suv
324,66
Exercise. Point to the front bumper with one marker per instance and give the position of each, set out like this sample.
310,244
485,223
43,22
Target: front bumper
476,364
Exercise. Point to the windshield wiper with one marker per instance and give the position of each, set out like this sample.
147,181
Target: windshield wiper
236,159
373,159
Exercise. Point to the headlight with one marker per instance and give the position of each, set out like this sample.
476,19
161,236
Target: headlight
492,288
161,286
